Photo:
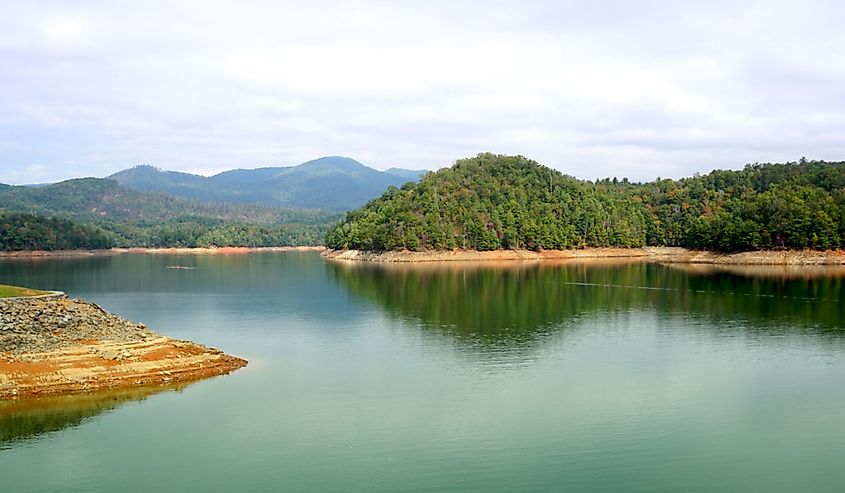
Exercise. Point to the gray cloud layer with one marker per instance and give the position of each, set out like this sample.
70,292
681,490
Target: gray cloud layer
637,89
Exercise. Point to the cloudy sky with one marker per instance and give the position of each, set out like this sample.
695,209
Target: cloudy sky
595,89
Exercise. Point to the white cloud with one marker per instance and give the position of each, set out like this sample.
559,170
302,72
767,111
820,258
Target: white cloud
613,88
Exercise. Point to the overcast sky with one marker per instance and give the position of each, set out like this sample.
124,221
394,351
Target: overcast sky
594,89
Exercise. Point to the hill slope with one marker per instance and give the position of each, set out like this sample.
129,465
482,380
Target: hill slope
332,183
150,179
90,198
491,202
499,202
128,217
19,231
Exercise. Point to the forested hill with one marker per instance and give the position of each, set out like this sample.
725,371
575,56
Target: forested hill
80,213
330,183
29,232
92,198
498,202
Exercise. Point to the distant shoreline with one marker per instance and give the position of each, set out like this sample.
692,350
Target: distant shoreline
652,254
168,251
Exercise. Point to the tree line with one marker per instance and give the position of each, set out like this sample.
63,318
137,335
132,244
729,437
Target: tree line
92,213
494,202
23,231
19,231
487,202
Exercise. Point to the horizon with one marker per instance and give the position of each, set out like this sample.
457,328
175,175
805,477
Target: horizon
640,91
620,178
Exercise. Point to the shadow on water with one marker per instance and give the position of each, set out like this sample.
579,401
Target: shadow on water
519,304
28,418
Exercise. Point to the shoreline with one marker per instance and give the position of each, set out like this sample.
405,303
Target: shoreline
105,365
156,250
53,345
217,250
652,254
648,254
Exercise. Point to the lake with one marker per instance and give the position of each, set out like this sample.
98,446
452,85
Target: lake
461,377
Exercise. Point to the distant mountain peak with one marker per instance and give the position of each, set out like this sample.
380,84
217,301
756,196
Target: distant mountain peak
329,182
140,168
340,162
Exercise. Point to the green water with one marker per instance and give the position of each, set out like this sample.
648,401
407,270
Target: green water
455,378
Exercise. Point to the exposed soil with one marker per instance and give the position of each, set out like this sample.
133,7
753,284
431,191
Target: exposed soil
52,345
104,365
653,254
474,255
760,257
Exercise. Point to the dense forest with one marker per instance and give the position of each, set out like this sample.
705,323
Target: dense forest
54,217
485,203
500,202
97,198
22,231
27,232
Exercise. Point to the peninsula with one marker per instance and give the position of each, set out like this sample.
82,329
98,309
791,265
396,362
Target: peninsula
50,344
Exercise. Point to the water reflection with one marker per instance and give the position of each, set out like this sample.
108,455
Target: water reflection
24,419
522,377
516,304
774,272
149,273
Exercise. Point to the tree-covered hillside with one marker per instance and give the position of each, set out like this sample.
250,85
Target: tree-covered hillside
28,232
499,202
764,206
87,198
132,218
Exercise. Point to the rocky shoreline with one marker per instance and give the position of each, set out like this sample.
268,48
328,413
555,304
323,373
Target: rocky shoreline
652,254
51,345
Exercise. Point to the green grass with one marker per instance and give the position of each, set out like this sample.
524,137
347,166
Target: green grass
15,291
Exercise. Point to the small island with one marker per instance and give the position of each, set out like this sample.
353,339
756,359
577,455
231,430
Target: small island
50,344
496,207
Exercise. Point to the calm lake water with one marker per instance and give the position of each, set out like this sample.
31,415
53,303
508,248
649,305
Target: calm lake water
522,378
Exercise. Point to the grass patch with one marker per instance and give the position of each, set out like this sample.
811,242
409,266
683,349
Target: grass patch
16,292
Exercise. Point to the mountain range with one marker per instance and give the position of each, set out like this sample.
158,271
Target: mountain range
97,199
144,206
330,183
99,213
